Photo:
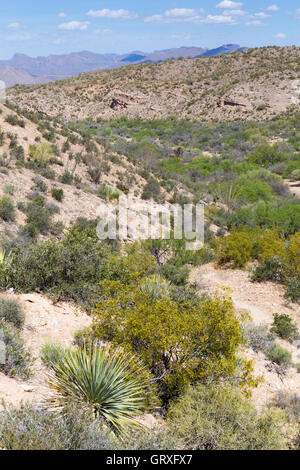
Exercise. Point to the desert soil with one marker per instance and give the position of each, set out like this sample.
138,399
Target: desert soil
261,301
44,322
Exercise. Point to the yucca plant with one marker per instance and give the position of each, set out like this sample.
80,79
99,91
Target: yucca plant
111,383
5,262
5,258
41,153
228,194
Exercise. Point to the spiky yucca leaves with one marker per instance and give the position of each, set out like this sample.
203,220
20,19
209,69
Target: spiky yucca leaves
112,383
5,262
228,194
5,258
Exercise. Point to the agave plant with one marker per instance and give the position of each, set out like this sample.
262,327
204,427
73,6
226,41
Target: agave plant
155,286
111,383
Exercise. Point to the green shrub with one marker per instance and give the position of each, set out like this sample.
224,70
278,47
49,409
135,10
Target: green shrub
295,175
42,153
70,269
267,155
289,403
7,209
152,190
38,217
47,173
32,428
18,361
259,337
252,191
279,355
57,194
108,193
220,418
37,222
52,354
66,178
39,185
292,287
13,120
285,219
177,275
11,311
270,270
284,327
9,189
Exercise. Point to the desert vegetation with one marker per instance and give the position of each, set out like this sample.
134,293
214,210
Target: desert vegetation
155,342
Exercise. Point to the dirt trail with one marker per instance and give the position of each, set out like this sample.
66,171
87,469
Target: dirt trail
44,322
294,187
261,301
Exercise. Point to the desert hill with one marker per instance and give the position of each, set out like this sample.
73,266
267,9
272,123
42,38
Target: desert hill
255,84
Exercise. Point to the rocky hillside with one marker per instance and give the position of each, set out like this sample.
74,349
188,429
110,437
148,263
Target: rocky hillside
40,157
250,85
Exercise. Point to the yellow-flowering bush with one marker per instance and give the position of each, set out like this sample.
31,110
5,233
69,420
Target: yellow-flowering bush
291,255
269,245
236,249
180,344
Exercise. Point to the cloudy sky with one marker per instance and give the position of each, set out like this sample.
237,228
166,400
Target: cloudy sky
118,26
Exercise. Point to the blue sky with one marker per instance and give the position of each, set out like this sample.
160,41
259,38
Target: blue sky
62,26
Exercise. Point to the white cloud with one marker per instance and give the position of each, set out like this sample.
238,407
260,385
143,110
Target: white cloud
154,19
74,26
262,15
113,14
196,19
280,35
219,19
14,26
62,15
181,13
297,14
184,15
273,8
228,4
255,23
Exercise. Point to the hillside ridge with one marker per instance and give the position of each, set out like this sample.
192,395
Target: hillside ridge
255,84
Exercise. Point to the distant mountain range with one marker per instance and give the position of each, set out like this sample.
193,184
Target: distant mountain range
22,69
